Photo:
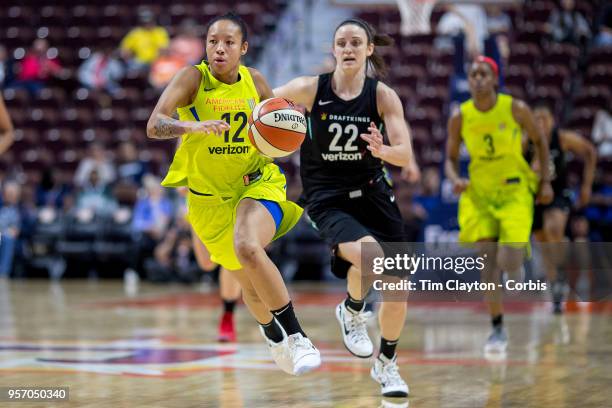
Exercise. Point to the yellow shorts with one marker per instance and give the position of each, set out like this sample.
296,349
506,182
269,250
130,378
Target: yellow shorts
213,218
506,214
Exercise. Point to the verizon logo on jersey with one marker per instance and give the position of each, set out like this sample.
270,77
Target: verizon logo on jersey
341,156
228,149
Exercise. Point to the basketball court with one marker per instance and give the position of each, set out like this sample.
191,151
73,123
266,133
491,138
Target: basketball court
157,348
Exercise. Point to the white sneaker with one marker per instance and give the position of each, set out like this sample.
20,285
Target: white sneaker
354,331
497,341
302,355
279,351
386,373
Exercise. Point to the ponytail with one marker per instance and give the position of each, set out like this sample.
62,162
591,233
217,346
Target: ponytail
379,40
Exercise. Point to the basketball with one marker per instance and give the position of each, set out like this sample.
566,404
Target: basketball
276,127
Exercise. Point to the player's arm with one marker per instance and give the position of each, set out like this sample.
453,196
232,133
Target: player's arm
523,115
583,148
399,152
301,90
453,146
6,128
180,92
261,84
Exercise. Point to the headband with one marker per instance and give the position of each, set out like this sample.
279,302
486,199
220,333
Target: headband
490,62
361,24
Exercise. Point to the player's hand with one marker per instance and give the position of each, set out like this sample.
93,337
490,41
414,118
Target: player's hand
585,196
460,185
375,141
545,193
411,173
217,127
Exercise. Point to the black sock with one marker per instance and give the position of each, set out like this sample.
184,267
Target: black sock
229,305
354,305
387,347
497,321
286,317
272,331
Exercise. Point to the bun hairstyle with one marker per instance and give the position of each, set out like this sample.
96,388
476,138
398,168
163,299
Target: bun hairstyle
379,40
234,18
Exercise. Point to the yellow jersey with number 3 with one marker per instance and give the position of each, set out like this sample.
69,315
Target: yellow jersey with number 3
213,164
494,142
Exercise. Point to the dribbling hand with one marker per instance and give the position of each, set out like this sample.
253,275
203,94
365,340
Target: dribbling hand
460,185
375,141
216,127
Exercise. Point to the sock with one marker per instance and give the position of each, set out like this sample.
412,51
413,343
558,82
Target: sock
286,317
354,305
272,331
497,321
229,305
387,348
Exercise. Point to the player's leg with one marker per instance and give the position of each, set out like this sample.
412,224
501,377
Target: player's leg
229,289
351,313
254,229
492,273
553,254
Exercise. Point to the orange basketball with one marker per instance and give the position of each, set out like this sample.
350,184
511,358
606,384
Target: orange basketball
276,127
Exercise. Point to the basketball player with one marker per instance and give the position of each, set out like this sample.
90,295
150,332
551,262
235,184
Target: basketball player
496,203
345,190
229,290
6,128
550,220
236,202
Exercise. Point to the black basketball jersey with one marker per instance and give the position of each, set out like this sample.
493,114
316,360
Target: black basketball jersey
557,166
334,158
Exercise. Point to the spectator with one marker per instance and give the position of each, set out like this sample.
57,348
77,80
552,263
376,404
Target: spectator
174,257
469,19
153,212
95,197
142,45
188,43
602,133
499,25
97,160
51,191
102,70
37,67
604,37
164,68
568,25
10,225
3,65
129,167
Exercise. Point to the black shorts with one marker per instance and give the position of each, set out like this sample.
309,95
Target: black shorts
560,201
370,211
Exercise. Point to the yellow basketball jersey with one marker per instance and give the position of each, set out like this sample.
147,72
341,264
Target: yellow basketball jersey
213,164
493,140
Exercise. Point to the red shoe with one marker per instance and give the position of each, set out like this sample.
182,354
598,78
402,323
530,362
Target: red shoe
227,332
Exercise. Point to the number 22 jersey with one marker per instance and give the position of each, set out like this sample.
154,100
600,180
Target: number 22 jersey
334,158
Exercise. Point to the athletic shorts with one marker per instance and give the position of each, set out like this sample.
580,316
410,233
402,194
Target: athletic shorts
213,217
346,219
560,202
505,215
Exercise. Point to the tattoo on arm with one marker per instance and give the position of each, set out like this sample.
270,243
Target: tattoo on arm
168,128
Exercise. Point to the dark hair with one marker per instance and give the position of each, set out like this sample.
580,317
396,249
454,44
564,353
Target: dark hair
381,40
234,18
544,104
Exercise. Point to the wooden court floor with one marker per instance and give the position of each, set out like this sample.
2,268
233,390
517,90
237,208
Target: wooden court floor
156,348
